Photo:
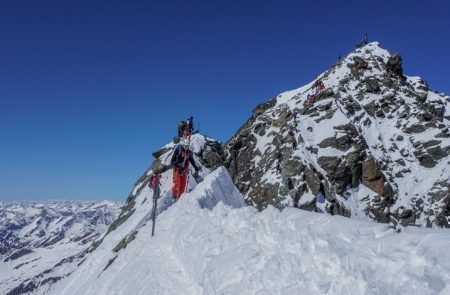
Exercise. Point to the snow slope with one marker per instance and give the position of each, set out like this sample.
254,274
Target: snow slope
210,243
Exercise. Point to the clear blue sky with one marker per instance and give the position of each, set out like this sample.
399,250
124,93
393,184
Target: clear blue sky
88,89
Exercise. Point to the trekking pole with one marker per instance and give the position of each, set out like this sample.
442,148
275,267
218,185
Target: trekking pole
187,182
156,192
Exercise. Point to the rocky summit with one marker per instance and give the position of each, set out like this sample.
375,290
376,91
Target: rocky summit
373,145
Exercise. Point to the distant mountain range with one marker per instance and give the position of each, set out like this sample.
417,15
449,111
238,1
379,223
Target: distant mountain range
40,242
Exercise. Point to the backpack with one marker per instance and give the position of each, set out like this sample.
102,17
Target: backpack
154,180
182,124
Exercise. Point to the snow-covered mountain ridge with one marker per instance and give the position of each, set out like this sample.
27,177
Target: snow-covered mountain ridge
209,242
40,241
375,144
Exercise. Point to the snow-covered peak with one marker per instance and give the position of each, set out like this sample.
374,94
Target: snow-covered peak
365,133
341,70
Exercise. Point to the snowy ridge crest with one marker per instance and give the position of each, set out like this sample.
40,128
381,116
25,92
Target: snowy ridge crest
236,249
216,189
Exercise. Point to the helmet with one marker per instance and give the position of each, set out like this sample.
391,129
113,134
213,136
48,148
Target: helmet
185,142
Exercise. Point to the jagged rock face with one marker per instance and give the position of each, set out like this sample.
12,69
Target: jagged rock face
375,144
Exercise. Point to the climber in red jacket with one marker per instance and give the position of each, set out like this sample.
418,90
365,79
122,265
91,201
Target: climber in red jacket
181,158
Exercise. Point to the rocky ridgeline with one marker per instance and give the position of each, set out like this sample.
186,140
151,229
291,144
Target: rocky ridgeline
375,143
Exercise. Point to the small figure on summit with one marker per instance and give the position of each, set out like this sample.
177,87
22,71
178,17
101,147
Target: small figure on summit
363,42
181,157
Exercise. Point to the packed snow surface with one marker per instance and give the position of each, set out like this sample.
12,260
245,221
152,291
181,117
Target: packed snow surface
209,242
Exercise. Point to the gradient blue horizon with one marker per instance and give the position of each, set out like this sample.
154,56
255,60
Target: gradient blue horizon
89,89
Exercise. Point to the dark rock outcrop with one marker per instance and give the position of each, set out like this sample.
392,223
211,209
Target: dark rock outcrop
394,64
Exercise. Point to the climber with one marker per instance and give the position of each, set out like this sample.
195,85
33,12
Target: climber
318,87
366,40
321,86
189,127
155,180
306,102
295,124
292,134
295,117
181,129
311,99
279,160
181,157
